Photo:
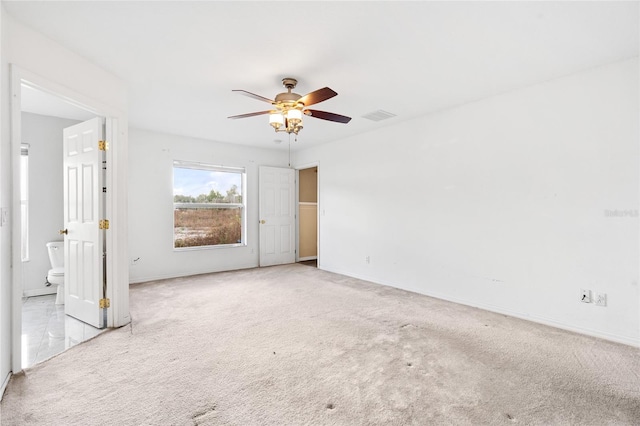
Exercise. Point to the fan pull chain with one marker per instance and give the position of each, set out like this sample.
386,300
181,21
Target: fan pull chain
289,149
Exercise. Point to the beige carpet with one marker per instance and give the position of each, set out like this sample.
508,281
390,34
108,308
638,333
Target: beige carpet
292,345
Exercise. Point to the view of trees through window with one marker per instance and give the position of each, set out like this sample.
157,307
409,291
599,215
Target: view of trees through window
208,205
232,196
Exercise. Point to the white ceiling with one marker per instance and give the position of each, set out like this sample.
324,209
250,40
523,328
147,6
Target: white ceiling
180,60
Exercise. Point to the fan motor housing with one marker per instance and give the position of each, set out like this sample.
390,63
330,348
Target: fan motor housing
287,97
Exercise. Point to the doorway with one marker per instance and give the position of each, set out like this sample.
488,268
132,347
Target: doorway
115,289
46,328
307,216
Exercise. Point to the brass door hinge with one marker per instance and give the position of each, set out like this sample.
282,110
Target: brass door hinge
105,303
104,224
103,145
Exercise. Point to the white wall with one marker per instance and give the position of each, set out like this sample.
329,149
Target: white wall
500,203
151,157
5,194
44,135
41,56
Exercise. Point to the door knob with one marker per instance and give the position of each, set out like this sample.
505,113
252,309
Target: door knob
263,222
63,231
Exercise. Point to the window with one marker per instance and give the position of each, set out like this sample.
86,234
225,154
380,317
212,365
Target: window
24,201
208,205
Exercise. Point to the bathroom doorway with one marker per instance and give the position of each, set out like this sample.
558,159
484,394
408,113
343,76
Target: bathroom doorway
307,217
114,289
46,329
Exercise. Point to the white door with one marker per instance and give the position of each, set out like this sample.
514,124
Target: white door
83,242
277,216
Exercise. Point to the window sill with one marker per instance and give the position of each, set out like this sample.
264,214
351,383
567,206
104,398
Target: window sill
217,247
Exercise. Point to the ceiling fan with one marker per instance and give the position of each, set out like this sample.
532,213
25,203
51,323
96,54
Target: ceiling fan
289,107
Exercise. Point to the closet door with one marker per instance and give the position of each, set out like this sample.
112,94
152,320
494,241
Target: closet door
277,216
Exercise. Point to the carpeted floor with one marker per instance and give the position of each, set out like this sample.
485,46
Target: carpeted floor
293,345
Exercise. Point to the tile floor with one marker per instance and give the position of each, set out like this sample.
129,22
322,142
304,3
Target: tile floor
47,331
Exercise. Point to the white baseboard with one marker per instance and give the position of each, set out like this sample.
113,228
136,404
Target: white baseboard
4,385
148,278
40,291
627,340
303,259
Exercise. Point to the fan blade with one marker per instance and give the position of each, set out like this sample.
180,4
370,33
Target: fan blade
251,114
323,115
253,95
317,96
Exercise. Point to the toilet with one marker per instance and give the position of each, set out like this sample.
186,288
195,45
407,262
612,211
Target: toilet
56,273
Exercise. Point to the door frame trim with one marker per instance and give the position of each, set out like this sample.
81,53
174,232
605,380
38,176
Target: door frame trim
298,168
115,204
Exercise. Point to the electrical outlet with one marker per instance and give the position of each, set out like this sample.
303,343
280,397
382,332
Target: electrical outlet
585,296
367,260
600,299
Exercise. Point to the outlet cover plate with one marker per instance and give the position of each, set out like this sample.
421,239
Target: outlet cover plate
600,299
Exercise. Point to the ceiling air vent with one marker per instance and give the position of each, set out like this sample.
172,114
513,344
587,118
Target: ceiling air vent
378,115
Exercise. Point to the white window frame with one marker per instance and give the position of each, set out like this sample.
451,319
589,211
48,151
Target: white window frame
243,205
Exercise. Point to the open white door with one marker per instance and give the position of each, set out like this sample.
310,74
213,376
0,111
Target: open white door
83,203
277,216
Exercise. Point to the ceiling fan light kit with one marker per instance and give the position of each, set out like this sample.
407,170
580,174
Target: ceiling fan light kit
290,107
